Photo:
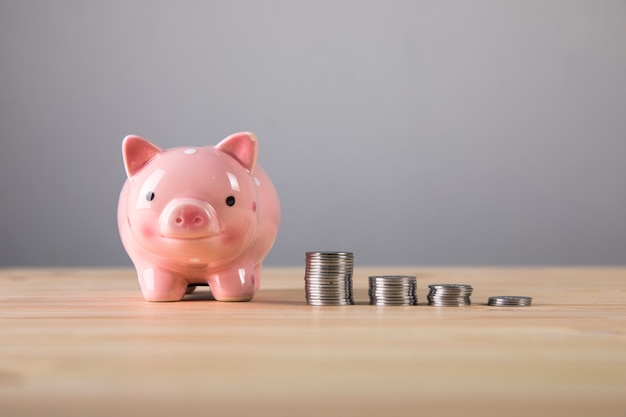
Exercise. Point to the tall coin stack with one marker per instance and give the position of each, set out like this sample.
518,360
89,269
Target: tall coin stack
328,278
449,295
396,290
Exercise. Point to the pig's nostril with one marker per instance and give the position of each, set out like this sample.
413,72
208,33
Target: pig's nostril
197,220
179,220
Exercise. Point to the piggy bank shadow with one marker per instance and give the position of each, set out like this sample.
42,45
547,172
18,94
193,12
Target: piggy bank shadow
270,296
200,292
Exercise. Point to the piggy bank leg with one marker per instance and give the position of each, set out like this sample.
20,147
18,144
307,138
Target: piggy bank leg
160,285
233,285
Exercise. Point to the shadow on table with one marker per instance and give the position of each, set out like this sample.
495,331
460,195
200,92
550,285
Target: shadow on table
287,296
277,297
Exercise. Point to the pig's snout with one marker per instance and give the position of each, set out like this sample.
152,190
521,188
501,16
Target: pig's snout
188,218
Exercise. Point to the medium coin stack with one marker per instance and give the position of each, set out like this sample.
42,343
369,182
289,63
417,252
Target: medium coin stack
396,290
328,278
449,295
509,301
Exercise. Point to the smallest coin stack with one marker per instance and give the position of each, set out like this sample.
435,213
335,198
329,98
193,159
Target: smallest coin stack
396,290
328,278
509,301
449,295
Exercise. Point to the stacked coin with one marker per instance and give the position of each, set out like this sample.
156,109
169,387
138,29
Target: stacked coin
509,301
328,278
449,295
396,290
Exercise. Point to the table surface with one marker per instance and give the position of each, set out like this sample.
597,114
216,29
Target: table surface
83,342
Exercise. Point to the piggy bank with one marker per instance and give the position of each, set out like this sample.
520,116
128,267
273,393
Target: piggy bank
197,215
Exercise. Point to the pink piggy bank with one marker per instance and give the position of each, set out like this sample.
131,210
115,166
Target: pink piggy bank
195,216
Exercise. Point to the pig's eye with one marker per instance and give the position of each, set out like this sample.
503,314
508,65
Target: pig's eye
150,196
230,201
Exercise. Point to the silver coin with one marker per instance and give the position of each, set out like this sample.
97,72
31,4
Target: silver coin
393,303
329,261
381,303
461,304
327,276
444,298
336,294
330,303
391,282
329,291
328,296
329,264
388,303
315,269
394,287
399,286
392,294
326,286
450,287
449,294
328,273
329,253
510,301
312,294
328,279
391,278
328,282
451,290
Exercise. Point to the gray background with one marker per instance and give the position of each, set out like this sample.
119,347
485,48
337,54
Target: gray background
410,132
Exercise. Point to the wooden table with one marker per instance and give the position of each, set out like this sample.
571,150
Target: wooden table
83,342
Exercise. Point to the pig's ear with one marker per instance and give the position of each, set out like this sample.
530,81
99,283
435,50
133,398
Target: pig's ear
137,152
243,147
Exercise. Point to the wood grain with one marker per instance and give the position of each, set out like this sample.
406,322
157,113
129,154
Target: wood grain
82,342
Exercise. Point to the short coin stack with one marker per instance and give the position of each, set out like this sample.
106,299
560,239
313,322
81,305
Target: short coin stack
328,278
396,290
509,301
449,295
